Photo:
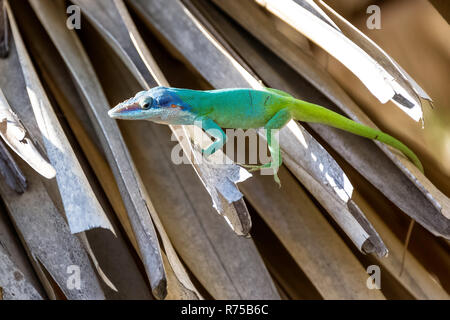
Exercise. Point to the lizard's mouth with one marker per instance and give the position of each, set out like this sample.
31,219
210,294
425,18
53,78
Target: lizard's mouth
125,110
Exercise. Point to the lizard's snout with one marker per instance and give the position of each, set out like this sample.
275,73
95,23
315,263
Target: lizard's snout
124,110
112,113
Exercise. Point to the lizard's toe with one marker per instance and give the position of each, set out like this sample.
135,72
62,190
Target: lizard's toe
277,180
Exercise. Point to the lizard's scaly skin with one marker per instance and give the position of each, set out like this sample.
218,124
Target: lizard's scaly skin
244,109
308,112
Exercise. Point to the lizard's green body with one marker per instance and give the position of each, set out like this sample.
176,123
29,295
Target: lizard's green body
241,108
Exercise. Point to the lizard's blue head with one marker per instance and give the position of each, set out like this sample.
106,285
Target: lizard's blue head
159,104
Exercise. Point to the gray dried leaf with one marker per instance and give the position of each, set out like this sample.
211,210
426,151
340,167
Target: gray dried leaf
218,178
10,171
229,267
81,206
203,243
52,16
410,190
356,51
221,181
139,60
17,138
415,277
13,284
292,142
227,73
56,254
387,177
329,184
310,239
17,277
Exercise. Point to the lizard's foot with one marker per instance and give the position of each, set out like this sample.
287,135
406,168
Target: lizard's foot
252,168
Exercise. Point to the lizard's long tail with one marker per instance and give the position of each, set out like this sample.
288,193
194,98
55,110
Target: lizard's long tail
309,112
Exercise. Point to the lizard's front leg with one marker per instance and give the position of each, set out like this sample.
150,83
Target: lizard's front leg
214,130
278,121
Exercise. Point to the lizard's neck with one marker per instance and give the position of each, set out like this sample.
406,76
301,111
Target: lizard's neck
194,98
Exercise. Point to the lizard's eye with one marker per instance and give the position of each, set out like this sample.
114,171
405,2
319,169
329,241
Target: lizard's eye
147,104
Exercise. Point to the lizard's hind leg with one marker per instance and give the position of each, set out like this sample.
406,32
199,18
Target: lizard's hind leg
278,121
